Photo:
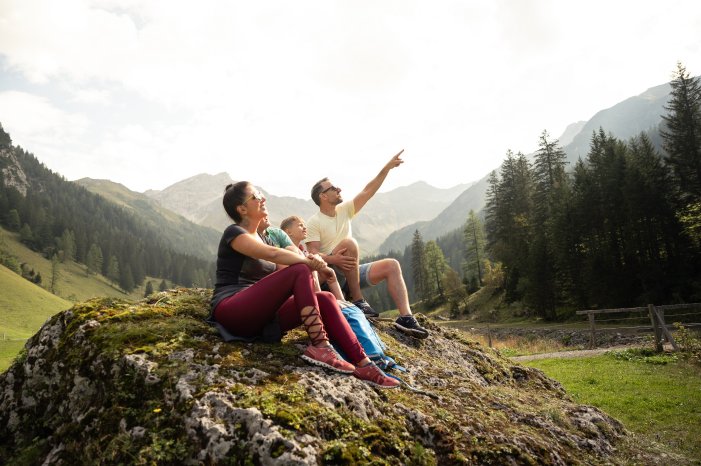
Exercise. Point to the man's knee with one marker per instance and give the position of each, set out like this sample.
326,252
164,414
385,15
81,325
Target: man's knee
384,269
392,266
350,245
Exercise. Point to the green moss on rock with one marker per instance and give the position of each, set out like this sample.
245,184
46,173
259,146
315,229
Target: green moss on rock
117,382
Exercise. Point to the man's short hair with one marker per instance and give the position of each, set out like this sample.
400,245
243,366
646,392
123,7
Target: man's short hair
316,191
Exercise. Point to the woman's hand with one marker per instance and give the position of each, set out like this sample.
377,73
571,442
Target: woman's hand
316,262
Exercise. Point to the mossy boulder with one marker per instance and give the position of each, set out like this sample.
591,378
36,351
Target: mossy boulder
116,382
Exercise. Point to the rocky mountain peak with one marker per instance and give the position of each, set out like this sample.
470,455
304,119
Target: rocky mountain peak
11,171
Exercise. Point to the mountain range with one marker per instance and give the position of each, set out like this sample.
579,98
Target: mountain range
199,198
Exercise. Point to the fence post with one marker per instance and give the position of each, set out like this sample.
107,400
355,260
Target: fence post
592,328
655,327
663,327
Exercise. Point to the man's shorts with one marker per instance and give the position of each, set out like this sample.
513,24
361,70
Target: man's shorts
364,271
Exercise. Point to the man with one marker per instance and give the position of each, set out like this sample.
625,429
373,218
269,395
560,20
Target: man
330,235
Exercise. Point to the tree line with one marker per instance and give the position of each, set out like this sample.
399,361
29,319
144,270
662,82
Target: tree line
64,221
622,228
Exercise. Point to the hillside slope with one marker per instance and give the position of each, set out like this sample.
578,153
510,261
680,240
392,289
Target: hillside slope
24,306
109,381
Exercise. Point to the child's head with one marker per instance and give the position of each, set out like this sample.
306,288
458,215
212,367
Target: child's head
295,228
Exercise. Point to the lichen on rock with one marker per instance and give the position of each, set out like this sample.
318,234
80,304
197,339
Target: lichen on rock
113,382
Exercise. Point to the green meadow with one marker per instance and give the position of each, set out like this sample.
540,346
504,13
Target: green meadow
657,397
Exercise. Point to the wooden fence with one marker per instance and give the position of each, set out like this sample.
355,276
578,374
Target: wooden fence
656,314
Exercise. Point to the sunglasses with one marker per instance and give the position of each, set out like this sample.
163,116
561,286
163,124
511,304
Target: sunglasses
331,187
255,195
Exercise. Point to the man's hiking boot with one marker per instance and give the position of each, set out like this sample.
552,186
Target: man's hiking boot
328,358
365,307
411,327
374,376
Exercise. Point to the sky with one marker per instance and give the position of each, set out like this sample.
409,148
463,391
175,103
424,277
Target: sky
283,93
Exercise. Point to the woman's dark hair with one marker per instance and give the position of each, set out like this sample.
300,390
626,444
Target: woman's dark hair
234,196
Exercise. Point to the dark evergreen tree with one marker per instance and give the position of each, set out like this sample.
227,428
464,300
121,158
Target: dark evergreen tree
94,259
681,134
112,270
163,285
148,291
5,140
418,266
435,267
549,193
13,221
473,235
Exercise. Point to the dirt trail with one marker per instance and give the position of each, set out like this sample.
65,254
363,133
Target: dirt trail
571,354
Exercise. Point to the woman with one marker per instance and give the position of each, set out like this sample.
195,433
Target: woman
250,296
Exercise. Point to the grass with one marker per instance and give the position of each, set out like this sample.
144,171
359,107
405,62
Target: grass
656,397
24,307
9,349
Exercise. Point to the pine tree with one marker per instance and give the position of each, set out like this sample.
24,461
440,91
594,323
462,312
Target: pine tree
473,234
113,269
93,261
436,266
681,134
550,184
25,235
5,140
13,220
66,245
163,285
126,278
149,289
418,266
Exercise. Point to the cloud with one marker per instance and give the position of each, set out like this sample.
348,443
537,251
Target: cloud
327,87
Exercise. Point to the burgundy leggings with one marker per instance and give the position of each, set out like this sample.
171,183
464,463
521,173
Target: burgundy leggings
285,293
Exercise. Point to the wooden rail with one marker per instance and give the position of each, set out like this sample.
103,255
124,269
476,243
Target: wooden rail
657,319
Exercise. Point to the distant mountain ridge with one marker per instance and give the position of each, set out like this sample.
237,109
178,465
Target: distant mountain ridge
183,234
624,120
199,199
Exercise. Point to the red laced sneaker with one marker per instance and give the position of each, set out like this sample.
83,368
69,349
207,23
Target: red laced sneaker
328,358
374,376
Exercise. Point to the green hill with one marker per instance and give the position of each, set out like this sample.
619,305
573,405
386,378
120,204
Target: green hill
24,307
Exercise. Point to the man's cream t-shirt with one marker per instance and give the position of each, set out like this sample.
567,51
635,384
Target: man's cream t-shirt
329,231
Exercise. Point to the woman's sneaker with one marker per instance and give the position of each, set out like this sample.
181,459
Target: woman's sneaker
374,376
410,326
327,357
365,307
